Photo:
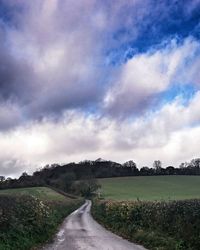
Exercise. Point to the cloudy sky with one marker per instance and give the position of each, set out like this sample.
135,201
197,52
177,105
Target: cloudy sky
86,79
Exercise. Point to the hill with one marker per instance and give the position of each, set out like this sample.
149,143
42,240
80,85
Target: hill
78,178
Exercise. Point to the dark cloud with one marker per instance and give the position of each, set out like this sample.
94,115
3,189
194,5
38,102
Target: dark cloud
15,75
10,116
50,64
57,62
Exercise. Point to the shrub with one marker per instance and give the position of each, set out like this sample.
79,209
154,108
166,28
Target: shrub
26,221
158,225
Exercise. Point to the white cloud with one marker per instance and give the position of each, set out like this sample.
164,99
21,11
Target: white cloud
167,134
148,74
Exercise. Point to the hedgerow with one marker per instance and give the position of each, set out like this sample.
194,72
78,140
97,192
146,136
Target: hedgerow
26,221
172,225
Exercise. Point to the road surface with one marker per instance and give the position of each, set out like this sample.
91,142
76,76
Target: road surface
80,231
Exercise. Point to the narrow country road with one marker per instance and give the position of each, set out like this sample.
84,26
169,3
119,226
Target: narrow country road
80,231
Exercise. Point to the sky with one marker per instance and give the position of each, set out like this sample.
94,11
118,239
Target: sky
87,79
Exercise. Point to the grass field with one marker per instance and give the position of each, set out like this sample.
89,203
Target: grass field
151,187
43,193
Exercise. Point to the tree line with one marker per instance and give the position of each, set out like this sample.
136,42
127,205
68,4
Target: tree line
80,177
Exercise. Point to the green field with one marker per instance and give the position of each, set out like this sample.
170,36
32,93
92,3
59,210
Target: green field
42,193
151,188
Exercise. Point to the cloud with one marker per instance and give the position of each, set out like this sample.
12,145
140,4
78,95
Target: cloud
146,75
166,134
50,63
10,116
14,167
70,69
57,61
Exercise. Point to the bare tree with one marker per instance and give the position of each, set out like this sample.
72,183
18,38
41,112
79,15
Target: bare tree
157,165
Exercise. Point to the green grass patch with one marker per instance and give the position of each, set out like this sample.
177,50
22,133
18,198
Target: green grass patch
151,188
43,193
